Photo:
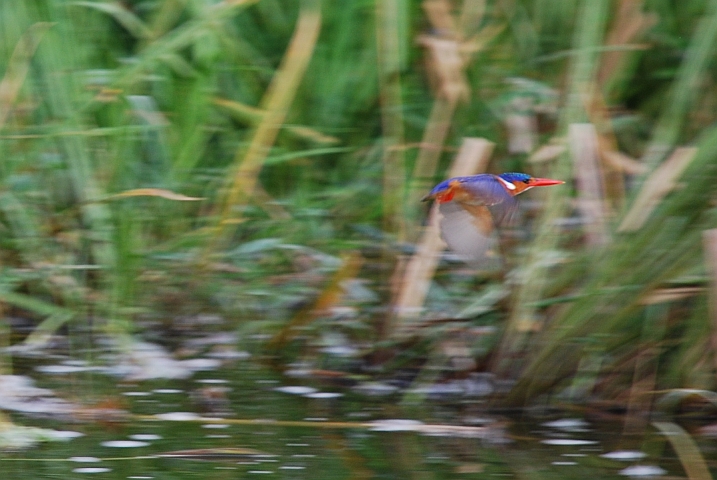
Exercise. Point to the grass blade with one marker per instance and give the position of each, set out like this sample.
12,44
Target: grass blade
685,89
18,67
275,104
589,31
388,14
131,22
689,454
661,181
583,141
252,116
709,240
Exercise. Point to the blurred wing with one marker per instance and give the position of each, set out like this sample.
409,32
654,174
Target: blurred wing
485,189
466,232
504,213
489,190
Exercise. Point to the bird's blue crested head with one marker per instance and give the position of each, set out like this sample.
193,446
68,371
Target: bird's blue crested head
513,177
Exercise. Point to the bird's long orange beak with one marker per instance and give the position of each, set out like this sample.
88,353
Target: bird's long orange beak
544,182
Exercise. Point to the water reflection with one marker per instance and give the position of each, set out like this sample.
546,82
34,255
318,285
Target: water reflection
643,471
624,455
124,444
567,442
263,427
91,470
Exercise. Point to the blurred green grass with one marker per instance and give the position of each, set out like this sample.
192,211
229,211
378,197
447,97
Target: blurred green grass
99,98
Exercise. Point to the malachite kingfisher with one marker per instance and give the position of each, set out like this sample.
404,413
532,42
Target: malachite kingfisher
473,206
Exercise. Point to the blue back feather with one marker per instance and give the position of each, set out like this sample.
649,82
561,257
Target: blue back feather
447,183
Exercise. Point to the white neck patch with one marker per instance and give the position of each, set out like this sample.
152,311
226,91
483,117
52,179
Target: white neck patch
506,183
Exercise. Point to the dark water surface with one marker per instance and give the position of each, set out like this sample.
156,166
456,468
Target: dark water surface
239,419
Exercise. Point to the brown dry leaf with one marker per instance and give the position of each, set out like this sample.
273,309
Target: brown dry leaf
623,162
522,126
612,171
548,152
445,64
215,454
659,184
686,449
665,295
154,192
470,468
630,22
584,148
440,16
709,241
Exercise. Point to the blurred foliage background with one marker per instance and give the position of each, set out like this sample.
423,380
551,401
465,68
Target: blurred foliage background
265,161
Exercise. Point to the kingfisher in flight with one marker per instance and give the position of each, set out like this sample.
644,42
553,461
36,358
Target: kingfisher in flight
473,206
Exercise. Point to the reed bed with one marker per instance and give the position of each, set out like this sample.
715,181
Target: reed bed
264,160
